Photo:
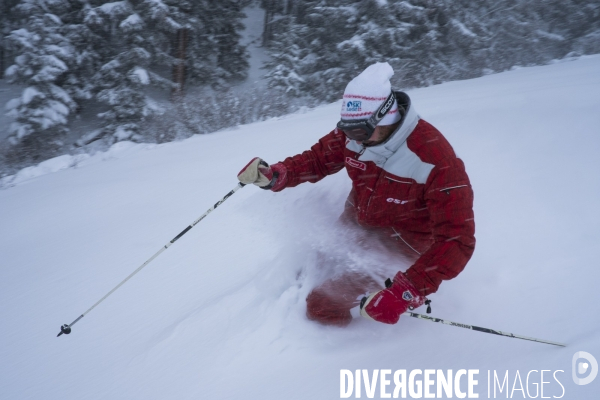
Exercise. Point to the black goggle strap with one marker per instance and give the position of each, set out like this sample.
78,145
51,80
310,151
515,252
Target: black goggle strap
350,125
382,111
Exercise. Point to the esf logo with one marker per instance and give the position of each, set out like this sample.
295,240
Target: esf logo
355,105
396,201
580,368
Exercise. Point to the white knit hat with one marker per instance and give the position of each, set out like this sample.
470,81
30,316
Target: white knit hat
365,93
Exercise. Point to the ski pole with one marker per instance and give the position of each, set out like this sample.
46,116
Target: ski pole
66,329
480,329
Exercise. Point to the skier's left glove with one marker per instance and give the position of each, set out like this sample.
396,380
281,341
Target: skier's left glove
259,173
388,304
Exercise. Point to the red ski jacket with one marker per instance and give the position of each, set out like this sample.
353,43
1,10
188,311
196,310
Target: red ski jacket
412,187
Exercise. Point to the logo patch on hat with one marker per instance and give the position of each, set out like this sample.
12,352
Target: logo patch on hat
355,105
407,295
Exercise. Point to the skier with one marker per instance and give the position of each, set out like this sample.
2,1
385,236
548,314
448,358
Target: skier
408,186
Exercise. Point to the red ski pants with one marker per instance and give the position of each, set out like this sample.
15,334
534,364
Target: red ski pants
330,302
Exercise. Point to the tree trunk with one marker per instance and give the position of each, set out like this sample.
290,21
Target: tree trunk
179,67
1,62
266,26
270,7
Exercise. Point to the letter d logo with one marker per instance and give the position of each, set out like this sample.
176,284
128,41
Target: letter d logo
582,367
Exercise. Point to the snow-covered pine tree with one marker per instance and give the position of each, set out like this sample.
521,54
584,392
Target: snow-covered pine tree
303,42
427,41
212,51
191,47
204,52
42,66
583,26
88,50
288,54
284,64
521,33
7,24
232,58
132,46
272,8
161,43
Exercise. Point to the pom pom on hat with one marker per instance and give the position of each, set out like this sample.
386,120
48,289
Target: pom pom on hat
365,93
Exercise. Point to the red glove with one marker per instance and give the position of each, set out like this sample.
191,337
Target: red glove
388,304
259,173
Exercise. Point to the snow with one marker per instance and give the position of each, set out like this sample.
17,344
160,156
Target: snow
132,22
54,114
355,41
89,137
54,18
53,64
43,168
28,95
122,133
220,315
12,70
26,38
141,75
465,31
252,38
549,35
60,94
11,105
116,7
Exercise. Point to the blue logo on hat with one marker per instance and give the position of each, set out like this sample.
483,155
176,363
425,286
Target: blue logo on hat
354,105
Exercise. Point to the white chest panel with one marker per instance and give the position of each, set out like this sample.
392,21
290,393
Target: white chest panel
395,157
404,163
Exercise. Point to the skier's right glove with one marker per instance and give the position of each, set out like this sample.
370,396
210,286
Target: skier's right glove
259,173
388,304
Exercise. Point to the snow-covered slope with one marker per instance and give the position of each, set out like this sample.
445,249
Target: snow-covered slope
220,315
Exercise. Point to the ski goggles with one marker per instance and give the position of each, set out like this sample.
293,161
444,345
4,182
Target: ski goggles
362,129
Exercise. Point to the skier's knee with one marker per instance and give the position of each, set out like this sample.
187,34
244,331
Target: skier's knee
321,309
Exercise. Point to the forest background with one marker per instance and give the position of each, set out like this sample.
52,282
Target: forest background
78,76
